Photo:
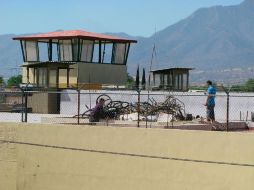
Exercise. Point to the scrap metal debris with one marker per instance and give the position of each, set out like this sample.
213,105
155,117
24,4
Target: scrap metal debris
148,110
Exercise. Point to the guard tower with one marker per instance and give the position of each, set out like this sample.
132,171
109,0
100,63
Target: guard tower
176,79
70,59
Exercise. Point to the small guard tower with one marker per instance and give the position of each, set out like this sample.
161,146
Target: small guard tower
71,59
175,79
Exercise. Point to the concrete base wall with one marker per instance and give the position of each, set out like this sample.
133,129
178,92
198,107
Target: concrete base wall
78,157
102,73
44,102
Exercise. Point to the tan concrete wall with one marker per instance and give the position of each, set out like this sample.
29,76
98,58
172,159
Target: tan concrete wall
79,157
8,158
44,102
102,73
38,102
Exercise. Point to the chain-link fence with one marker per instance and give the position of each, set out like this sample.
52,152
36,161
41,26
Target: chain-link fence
124,108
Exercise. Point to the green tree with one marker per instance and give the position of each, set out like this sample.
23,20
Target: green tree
143,82
250,85
130,80
137,78
14,80
247,87
1,80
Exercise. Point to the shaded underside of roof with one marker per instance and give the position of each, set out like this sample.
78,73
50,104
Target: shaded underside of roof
70,34
48,63
171,69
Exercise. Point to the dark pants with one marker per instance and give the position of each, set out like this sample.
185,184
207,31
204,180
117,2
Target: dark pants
210,113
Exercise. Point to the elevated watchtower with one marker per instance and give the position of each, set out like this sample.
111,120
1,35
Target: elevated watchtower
68,59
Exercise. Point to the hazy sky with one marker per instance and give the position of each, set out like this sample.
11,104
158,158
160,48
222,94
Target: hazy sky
134,17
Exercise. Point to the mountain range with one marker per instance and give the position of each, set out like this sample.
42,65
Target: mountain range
218,42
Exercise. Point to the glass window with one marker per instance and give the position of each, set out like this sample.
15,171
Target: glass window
106,53
161,79
166,80
180,82
119,53
53,78
176,83
54,52
96,51
75,49
42,77
157,80
43,52
86,51
31,51
170,79
185,81
65,50
63,80
35,76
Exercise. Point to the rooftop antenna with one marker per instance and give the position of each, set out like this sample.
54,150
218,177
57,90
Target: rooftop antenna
150,69
154,55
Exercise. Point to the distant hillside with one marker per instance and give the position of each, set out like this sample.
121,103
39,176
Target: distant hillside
217,41
10,56
215,38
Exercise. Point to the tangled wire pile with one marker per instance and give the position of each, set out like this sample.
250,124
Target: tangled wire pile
116,109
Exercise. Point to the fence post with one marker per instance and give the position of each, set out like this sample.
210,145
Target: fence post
227,110
227,92
147,108
22,107
25,106
138,90
78,105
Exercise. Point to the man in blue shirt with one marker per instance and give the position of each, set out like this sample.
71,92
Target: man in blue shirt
210,101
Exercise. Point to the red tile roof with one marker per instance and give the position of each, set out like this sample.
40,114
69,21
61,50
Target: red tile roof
68,34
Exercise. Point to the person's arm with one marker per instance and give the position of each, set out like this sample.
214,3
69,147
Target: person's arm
208,96
207,99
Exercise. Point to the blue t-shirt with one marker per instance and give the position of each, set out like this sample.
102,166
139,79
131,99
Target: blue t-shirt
211,91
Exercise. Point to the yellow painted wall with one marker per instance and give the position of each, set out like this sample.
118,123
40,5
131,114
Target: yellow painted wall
89,157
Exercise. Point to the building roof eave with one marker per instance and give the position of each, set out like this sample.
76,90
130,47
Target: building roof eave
70,34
